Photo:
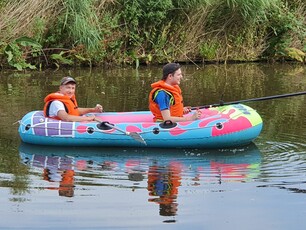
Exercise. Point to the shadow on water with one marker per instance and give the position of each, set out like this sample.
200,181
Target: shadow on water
159,171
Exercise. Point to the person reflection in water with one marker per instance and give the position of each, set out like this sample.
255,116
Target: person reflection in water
60,170
163,183
66,187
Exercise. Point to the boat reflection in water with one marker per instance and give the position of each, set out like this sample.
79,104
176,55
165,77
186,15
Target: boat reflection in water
162,172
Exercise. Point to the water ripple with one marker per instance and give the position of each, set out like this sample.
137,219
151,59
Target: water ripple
284,165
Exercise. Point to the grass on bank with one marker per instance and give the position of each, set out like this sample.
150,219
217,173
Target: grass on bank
100,32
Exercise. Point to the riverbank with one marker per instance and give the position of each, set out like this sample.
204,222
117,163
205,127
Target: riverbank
43,34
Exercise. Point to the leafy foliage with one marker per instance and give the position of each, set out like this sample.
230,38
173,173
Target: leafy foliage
208,50
284,27
17,52
94,32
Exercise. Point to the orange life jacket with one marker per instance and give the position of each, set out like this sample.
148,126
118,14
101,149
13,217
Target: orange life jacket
176,100
70,103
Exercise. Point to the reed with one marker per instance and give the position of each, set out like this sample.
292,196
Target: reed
219,30
82,24
156,31
298,35
21,17
242,30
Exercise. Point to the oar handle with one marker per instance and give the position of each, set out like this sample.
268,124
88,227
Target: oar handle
249,100
110,125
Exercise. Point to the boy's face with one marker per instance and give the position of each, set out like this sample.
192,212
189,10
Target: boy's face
68,89
175,78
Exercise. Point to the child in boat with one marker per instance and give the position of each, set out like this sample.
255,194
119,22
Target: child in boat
62,105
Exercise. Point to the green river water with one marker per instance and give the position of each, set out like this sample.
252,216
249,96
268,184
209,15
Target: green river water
259,186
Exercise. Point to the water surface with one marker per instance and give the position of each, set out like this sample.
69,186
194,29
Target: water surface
261,185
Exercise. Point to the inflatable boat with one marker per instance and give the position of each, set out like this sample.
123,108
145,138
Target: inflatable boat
218,127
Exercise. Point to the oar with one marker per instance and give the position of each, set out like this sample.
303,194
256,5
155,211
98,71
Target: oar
248,100
136,136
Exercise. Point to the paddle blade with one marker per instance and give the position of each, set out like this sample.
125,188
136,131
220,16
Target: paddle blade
137,137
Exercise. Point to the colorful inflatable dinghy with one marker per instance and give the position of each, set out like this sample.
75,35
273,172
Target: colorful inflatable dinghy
219,127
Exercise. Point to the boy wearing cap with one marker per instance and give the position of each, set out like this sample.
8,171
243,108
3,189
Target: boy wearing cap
62,105
166,100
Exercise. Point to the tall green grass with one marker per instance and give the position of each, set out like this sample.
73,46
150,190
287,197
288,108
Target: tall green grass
82,24
153,31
